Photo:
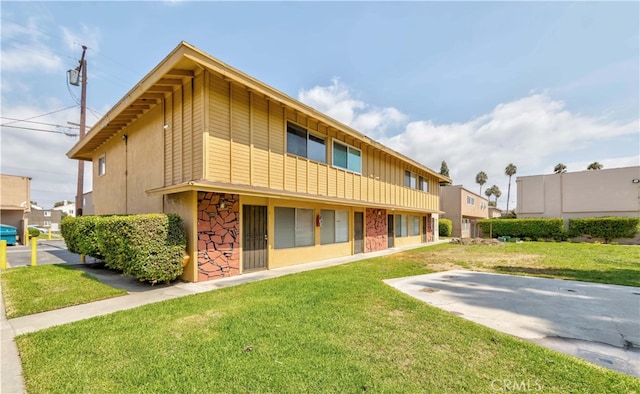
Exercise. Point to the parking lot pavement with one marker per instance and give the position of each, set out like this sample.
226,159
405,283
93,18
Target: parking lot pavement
48,252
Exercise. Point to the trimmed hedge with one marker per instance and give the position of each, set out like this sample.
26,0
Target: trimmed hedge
605,227
79,234
149,247
521,228
33,232
445,227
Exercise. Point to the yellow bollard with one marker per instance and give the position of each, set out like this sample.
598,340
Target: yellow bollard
34,252
26,238
82,258
3,254
49,233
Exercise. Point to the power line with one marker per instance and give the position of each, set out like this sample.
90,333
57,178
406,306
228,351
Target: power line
31,121
44,131
40,116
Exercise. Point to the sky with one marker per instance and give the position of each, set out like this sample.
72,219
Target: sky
476,84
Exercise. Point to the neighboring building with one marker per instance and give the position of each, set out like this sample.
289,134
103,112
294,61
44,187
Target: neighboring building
45,218
595,193
464,208
87,204
68,207
495,212
260,179
15,196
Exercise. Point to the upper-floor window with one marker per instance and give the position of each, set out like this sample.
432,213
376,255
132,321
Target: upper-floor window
409,179
301,143
347,157
471,200
423,184
46,214
483,205
102,165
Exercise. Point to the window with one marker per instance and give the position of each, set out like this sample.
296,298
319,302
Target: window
46,214
483,205
423,184
334,227
294,227
46,223
471,200
347,157
102,165
465,224
409,179
301,143
414,228
401,225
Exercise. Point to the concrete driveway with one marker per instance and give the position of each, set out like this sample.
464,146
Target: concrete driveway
596,322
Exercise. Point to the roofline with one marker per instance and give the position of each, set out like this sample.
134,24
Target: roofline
202,59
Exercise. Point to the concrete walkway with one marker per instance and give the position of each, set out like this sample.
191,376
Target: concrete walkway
596,322
11,381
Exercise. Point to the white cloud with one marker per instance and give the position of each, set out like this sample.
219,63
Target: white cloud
90,37
335,100
526,132
24,49
41,155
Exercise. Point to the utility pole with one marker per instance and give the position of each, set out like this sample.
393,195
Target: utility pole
82,68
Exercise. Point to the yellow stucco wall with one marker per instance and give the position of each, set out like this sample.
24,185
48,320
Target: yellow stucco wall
185,205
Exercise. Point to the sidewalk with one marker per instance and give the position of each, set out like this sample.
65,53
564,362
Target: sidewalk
139,294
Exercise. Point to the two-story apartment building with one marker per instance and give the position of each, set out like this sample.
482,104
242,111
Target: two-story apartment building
464,208
15,198
260,179
606,192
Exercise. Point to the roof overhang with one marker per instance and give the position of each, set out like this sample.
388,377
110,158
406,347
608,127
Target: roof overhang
183,63
246,190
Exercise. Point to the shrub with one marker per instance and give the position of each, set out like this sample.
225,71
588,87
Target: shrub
33,232
524,228
79,234
606,227
149,247
445,227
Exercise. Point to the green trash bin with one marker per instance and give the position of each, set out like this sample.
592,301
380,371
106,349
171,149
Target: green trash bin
8,233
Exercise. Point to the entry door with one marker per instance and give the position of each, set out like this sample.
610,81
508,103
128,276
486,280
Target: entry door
358,232
254,238
390,232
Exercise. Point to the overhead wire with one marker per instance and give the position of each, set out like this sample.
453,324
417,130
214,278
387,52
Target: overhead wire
41,130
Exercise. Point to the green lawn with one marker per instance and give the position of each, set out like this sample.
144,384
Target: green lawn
29,290
611,264
336,330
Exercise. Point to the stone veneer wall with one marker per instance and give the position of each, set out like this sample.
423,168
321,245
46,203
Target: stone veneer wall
376,230
218,232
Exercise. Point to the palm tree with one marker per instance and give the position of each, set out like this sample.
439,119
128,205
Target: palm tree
595,166
509,170
481,179
560,168
495,190
488,192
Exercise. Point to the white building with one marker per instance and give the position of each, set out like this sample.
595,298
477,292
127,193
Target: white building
68,207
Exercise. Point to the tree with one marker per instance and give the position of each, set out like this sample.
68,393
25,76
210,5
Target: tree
488,192
444,170
509,170
60,203
481,179
559,169
497,193
595,166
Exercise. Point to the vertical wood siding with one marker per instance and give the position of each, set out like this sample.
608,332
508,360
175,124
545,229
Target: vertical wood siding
246,140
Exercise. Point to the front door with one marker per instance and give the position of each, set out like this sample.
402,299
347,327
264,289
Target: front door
358,232
390,231
254,239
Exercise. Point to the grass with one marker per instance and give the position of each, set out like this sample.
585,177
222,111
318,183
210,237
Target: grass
610,264
335,330
29,290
